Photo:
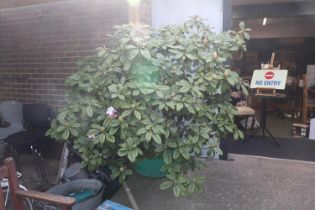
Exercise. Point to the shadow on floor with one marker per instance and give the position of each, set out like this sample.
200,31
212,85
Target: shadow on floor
247,183
291,148
29,176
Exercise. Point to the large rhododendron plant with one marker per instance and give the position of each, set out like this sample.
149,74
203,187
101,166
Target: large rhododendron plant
153,93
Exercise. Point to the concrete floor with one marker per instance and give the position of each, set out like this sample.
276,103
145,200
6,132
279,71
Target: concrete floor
29,177
247,183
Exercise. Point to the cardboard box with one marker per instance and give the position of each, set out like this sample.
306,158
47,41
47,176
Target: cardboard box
300,130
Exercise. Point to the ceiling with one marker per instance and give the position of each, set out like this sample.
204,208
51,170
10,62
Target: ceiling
248,2
285,18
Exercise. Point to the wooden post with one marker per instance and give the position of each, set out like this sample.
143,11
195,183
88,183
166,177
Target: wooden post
130,196
63,163
14,184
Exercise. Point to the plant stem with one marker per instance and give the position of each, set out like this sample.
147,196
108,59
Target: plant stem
130,196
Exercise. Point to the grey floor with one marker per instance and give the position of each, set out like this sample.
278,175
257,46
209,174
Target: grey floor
280,126
248,183
29,177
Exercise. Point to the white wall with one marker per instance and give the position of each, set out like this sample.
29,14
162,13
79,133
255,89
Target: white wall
165,12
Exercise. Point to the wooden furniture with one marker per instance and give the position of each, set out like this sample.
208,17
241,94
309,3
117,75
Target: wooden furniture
9,171
308,102
286,59
245,113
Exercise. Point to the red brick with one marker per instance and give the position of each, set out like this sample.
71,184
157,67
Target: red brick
40,44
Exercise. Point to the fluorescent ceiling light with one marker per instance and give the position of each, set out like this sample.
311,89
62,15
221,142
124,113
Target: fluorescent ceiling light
264,21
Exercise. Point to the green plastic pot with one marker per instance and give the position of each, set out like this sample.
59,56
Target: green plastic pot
150,167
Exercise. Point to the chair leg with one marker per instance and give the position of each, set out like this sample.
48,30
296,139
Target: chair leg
42,168
39,166
253,123
34,156
246,120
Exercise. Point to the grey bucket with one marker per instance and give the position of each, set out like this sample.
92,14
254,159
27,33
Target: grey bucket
75,171
78,185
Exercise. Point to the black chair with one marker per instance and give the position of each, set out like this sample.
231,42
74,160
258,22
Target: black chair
36,119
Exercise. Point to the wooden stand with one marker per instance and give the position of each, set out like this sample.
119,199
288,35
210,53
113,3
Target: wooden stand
266,92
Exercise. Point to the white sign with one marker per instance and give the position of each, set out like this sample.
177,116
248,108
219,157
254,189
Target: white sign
269,79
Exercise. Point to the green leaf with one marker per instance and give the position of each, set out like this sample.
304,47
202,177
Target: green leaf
235,135
148,136
131,47
157,138
244,89
179,106
171,144
89,111
101,52
114,123
241,134
191,188
247,36
135,92
126,113
112,131
176,154
60,128
122,152
166,184
160,94
101,138
191,57
184,89
167,156
186,155
133,54
141,131
170,104
145,54
74,132
231,80
110,139
190,108
113,88
160,129
137,114
65,134
242,25
132,155
177,190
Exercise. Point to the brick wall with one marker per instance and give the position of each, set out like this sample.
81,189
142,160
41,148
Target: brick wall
40,44
20,3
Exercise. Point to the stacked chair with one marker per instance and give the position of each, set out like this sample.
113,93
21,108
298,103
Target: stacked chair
28,125
12,113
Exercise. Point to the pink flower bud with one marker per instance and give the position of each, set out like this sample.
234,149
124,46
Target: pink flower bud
112,112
